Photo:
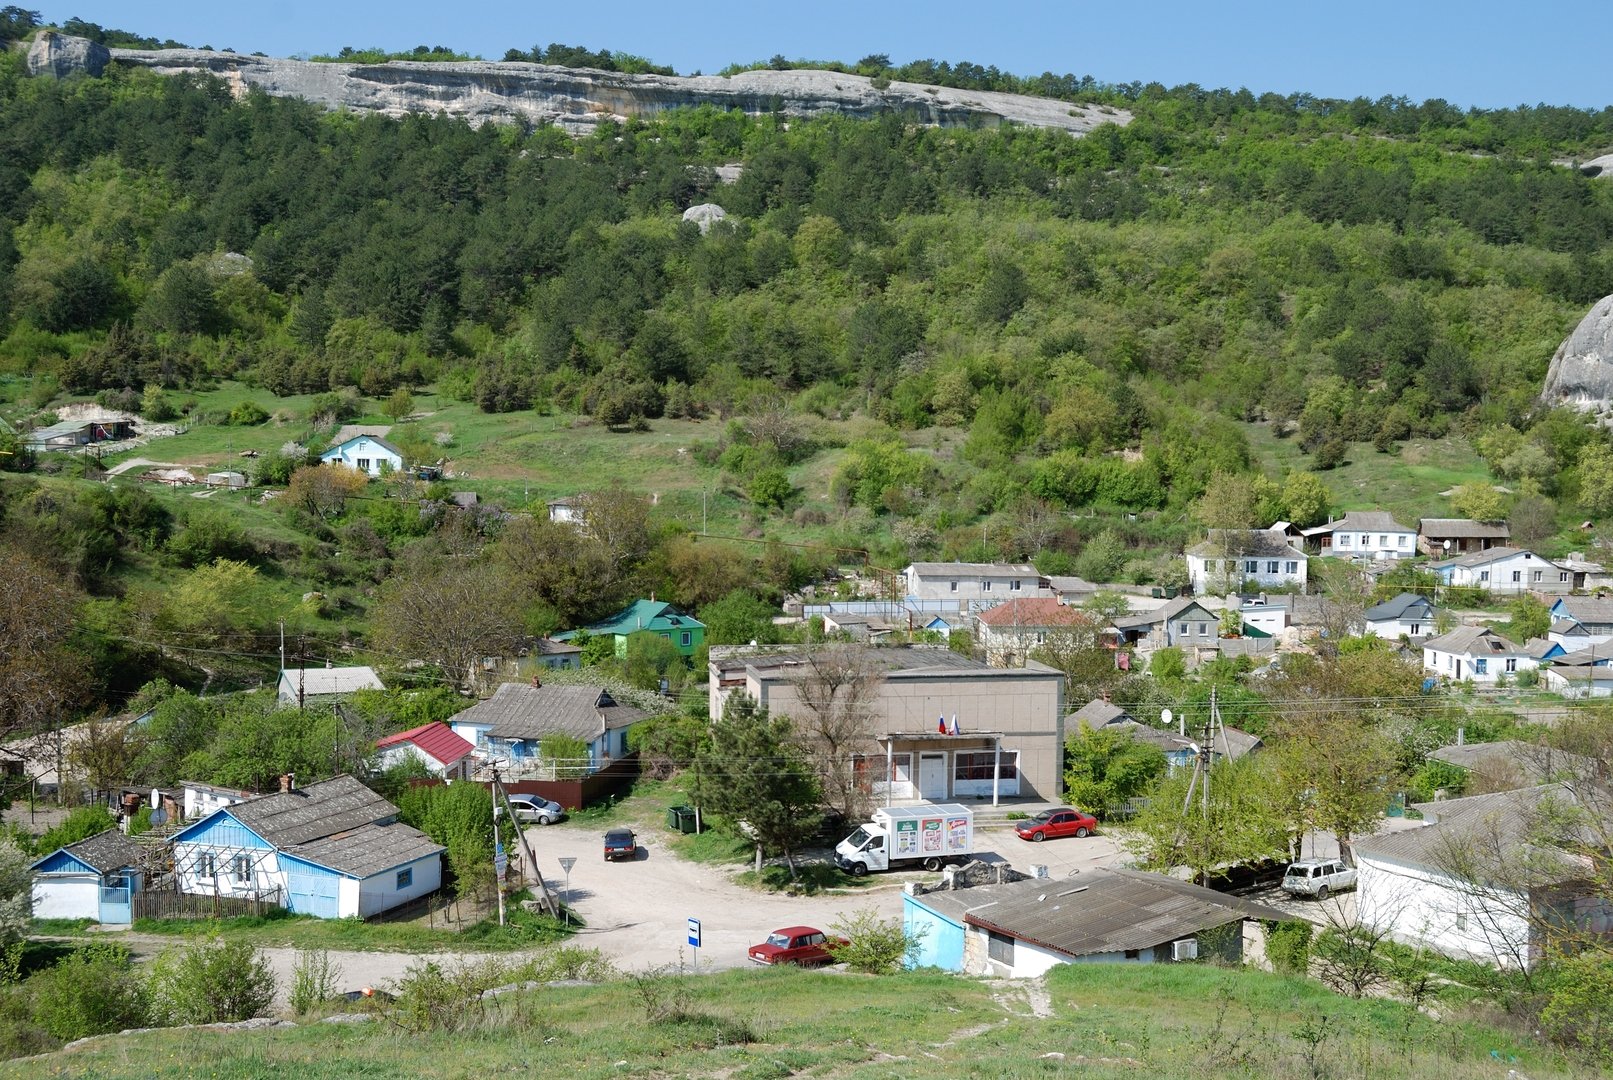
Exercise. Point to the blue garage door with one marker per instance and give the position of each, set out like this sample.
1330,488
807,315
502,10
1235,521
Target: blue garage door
313,891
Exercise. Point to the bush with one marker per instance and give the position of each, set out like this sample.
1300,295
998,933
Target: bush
314,978
81,824
247,414
1579,1015
211,982
874,946
439,997
91,992
1288,947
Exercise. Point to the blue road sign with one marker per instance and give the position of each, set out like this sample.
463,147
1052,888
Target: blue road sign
694,933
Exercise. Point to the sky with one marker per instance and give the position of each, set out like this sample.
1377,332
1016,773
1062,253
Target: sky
1479,53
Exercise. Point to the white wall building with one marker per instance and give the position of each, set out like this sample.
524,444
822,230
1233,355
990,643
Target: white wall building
1504,570
369,454
976,582
1475,653
1234,560
1407,615
1365,534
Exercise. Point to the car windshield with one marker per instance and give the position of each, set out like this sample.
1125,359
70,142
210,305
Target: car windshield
1045,816
781,940
1299,871
858,838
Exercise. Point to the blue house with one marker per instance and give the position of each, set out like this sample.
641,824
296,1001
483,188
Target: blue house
334,850
518,717
92,879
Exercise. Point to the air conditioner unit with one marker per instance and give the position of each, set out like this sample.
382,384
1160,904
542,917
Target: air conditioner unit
1185,949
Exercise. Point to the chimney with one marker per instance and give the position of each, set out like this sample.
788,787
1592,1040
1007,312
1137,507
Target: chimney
329,665
537,683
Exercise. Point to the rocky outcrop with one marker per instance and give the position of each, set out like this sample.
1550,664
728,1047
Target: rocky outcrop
1581,372
579,98
61,55
705,215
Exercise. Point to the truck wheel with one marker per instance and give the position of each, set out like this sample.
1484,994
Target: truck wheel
933,863
1321,894
1081,832
859,869
1038,836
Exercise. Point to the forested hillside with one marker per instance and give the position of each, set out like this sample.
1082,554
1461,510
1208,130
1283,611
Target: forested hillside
975,320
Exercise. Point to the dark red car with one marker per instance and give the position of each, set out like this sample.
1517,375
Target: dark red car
1059,821
804,945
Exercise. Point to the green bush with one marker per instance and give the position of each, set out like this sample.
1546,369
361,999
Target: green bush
91,992
210,982
314,978
80,824
1288,947
874,946
247,414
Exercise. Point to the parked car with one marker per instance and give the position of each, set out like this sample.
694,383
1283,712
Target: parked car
620,844
804,945
1318,877
536,808
1059,821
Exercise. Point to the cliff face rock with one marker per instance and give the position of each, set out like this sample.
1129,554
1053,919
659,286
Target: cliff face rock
1581,372
579,98
61,55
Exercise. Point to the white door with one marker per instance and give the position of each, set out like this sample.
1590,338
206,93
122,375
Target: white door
932,776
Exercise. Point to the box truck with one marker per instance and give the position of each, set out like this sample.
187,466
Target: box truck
931,835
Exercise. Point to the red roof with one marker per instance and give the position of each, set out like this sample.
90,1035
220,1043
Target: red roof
1033,611
436,739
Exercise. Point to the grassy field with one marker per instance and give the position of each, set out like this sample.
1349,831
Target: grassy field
1096,1020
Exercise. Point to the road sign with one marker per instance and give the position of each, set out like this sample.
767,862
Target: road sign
694,933
567,862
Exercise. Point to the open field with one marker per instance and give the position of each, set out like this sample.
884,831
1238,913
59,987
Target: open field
1089,1020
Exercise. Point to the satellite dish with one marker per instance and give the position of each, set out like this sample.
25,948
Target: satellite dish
158,816
1447,545
156,798
1165,717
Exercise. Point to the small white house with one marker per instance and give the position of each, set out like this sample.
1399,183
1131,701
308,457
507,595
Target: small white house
369,454
1585,681
975,582
1504,570
434,745
1234,560
567,511
92,879
1269,615
1365,534
202,799
226,479
308,686
1407,615
1477,653
1578,622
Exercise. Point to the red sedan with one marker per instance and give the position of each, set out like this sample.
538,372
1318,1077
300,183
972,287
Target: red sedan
1059,821
803,945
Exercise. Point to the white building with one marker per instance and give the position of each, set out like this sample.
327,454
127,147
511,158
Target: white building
307,686
1504,570
1269,615
434,745
567,511
1010,632
975,582
1234,560
1477,653
202,799
1365,534
1407,615
1578,622
1585,681
369,454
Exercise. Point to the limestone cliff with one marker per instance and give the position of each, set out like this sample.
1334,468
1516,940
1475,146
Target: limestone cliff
1581,372
579,98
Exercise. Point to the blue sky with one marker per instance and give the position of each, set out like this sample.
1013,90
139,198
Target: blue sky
1481,52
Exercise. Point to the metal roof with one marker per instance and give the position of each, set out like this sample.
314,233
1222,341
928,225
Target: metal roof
368,849
105,851
1585,610
1473,639
1097,911
1098,713
974,569
313,812
1533,764
322,681
1394,608
436,739
1360,521
520,711
1245,543
1463,529
1485,558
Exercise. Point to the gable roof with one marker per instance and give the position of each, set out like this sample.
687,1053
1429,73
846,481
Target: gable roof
1533,764
348,432
1099,713
1245,543
1473,639
1463,529
1484,558
520,711
368,849
436,739
1360,521
376,439
639,615
1033,611
320,681
1098,911
285,819
104,852
974,569
1393,609
1584,609
1163,614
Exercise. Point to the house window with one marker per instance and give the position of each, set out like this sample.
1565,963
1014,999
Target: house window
978,766
1202,629
1484,575
1000,947
1403,539
1344,539
1481,665
1512,663
1251,567
241,869
1563,576
1133,954
953,586
363,464
685,638
1181,628
1291,566
206,868
1536,576
868,767
985,586
1271,567
405,878
1013,586
1461,921
666,634
1416,628
1383,541
1517,576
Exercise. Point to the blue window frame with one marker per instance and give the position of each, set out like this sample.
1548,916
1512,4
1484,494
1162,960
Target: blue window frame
405,878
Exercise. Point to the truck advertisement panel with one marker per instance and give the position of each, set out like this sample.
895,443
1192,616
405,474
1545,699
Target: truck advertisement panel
958,834
932,836
907,839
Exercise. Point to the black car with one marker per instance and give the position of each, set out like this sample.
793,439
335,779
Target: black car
620,844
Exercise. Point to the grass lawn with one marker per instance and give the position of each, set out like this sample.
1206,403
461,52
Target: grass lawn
1097,1020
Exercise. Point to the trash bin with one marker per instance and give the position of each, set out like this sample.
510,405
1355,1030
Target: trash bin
681,818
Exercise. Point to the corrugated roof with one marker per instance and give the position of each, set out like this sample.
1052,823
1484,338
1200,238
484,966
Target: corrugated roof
1473,639
1485,558
309,813
66,427
1533,764
1098,713
974,569
366,434
1586,610
1360,521
320,681
1393,609
1463,529
105,851
368,849
640,615
520,711
1098,910
1033,611
436,739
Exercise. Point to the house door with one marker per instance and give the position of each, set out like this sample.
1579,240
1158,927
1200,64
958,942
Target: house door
932,776
312,892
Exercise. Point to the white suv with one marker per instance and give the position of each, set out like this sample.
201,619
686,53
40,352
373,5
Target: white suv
1318,877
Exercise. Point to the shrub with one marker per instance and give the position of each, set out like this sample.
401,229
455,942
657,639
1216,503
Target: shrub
1579,1015
91,992
448,997
874,946
211,982
1288,947
80,824
247,414
314,978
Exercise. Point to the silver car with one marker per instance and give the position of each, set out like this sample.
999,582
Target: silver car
1318,877
536,808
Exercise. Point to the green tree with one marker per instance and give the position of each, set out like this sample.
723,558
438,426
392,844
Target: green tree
400,406
1528,618
1305,498
1104,770
752,772
448,612
1596,478
1243,822
1482,502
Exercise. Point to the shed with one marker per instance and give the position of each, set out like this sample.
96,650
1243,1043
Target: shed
226,479
303,686
435,745
92,879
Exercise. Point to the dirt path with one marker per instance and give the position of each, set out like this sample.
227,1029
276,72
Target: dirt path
139,462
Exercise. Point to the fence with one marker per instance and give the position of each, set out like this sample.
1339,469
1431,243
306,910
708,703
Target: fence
169,904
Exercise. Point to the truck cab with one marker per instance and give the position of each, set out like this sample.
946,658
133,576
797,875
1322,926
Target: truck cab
862,851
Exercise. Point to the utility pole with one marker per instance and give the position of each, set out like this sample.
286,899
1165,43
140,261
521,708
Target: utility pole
530,863
498,852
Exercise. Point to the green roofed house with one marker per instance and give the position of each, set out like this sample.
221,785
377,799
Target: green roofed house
684,631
